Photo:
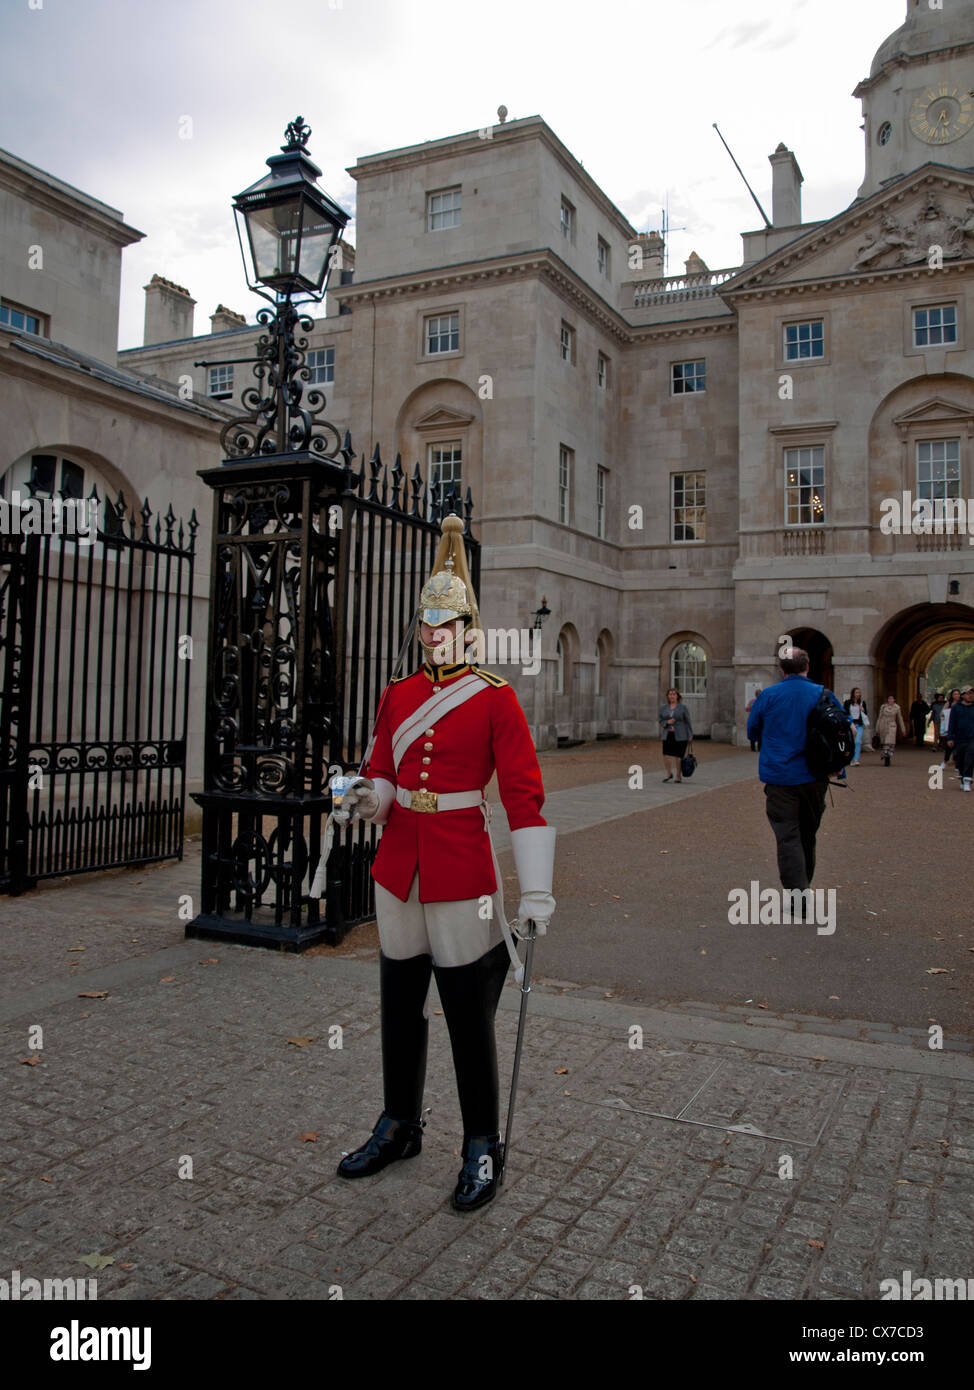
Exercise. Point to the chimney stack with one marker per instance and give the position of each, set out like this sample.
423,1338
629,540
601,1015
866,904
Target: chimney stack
225,320
168,312
786,188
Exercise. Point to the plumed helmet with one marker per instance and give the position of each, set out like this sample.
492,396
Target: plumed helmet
448,593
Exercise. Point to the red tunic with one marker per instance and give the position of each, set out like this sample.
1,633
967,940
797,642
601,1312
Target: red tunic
452,848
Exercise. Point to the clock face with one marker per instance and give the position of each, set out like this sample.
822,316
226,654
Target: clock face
942,114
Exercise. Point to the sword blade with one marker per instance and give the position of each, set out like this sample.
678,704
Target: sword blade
519,1045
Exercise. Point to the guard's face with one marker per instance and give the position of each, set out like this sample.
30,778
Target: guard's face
442,640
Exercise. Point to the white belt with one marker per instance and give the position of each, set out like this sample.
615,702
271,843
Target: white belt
424,801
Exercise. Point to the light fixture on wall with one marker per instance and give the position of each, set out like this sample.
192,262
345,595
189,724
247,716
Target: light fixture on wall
541,613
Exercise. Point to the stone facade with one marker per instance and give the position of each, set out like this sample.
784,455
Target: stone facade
501,321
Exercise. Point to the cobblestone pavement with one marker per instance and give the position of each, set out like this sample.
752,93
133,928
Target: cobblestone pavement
689,1151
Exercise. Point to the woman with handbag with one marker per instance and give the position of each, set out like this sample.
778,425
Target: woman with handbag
676,732
855,708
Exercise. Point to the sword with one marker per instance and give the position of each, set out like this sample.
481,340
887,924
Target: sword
525,991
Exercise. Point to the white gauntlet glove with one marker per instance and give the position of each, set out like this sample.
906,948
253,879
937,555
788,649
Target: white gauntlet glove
534,859
360,802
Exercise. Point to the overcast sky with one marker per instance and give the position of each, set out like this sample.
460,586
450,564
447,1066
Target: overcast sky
97,92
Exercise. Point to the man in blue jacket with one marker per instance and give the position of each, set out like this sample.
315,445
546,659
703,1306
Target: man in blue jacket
794,800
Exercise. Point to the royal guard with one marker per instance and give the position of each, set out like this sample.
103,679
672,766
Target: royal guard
440,735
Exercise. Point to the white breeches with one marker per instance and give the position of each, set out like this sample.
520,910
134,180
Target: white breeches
454,933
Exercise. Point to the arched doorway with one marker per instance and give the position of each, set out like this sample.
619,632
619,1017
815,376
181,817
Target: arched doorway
905,646
819,648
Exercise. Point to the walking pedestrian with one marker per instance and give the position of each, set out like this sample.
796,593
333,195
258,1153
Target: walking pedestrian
936,706
945,713
960,736
855,707
794,798
440,735
676,732
887,721
918,720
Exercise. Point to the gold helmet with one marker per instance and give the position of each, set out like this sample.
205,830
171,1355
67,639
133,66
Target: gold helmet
448,593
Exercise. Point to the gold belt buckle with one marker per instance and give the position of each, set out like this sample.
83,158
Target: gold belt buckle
422,800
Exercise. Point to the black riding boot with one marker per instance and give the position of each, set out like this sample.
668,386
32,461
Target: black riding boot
404,985
470,994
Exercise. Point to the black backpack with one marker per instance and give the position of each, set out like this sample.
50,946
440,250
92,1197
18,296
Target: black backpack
829,739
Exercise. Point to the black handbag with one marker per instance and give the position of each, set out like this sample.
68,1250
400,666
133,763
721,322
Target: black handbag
688,764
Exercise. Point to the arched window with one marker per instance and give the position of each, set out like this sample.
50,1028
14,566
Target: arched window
560,667
598,668
688,669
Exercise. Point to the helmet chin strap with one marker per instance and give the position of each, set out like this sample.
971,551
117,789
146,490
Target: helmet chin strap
455,653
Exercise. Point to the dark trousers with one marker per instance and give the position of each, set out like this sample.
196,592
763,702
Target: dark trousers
919,732
795,814
964,758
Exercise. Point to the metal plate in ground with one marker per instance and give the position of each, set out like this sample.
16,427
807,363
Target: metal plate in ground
647,1079
779,1102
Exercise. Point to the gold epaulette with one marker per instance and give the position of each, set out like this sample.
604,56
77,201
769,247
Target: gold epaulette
489,677
396,679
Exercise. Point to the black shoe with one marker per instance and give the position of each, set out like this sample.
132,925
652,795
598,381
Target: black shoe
483,1163
390,1140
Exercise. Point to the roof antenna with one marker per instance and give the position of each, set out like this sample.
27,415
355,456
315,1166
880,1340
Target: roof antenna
750,190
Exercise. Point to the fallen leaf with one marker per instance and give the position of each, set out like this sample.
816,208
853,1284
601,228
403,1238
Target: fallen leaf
94,994
566,1093
167,979
820,1059
310,1138
816,1244
561,1071
213,960
43,1179
81,948
86,1015
30,1061
300,1042
693,1278
762,1006
703,950
937,970
127,1265
96,1260
833,996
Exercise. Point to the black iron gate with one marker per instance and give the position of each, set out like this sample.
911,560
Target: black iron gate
317,571
95,648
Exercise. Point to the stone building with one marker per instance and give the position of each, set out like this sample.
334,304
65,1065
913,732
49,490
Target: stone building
685,467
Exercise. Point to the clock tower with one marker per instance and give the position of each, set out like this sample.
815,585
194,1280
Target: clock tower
918,100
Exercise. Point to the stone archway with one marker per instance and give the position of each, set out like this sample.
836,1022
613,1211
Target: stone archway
821,668
904,647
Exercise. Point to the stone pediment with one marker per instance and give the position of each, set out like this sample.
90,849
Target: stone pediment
443,417
937,411
896,229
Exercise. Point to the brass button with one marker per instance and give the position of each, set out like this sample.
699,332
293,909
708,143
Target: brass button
429,733
423,776
436,687
427,760
427,746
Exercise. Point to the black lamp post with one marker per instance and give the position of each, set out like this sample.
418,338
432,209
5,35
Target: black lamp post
272,701
289,230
